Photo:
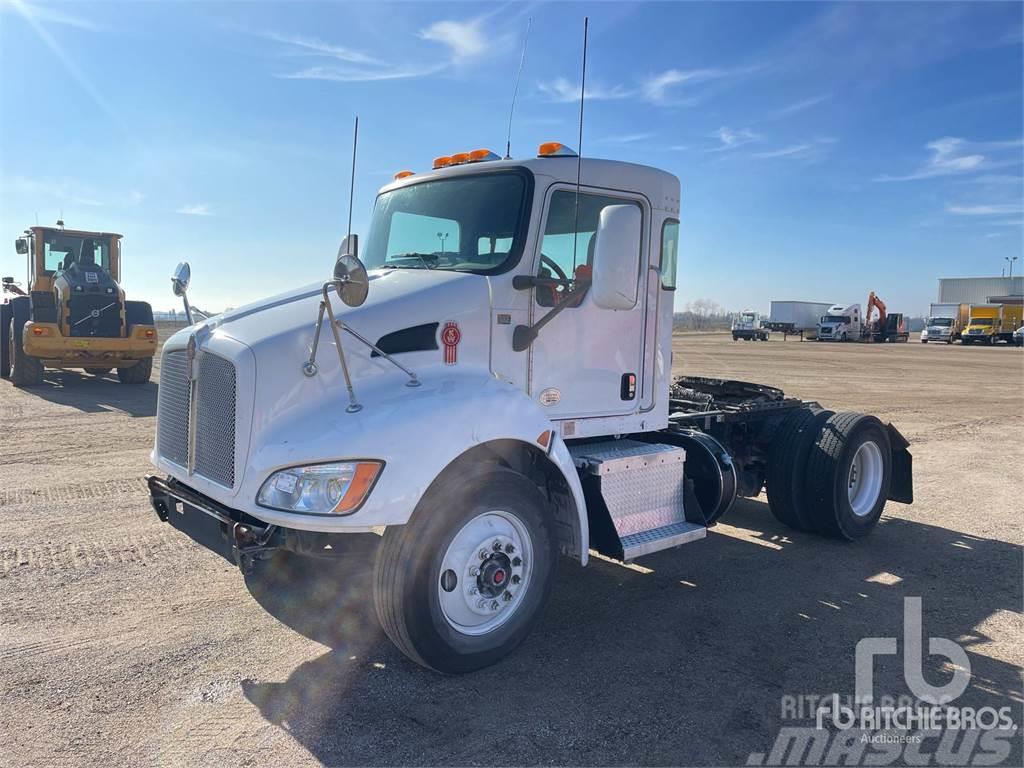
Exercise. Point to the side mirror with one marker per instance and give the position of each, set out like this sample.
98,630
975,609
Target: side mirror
352,284
181,278
8,281
21,245
349,246
616,265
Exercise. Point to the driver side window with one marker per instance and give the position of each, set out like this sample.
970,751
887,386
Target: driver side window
558,259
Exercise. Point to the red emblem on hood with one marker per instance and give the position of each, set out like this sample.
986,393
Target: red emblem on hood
450,337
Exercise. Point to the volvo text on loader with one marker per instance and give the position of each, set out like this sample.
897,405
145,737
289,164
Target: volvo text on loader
492,389
74,313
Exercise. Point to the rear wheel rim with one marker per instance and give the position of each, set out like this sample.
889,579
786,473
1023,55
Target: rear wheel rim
485,573
864,481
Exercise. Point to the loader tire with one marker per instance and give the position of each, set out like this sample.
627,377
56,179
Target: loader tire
849,471
98,371
5,341
25,370
787,466
138,373
435,596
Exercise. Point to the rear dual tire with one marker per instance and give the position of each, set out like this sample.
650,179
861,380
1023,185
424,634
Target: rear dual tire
830,473
430,577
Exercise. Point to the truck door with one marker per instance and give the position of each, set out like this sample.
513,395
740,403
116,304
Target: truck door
586,362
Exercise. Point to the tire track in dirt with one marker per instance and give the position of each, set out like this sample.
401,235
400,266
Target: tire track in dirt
103,489
124,550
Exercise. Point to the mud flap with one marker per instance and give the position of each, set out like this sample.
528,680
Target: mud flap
901,488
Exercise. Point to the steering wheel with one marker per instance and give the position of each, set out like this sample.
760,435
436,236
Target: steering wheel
554,266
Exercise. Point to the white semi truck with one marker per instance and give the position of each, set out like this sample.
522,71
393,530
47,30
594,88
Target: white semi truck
840,324
747,326
479,401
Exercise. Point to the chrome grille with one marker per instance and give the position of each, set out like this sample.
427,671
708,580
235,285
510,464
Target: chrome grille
215,420
215,390
172,408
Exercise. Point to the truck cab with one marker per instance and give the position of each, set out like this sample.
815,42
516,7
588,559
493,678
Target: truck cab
483,384
840,323
984,325
747,325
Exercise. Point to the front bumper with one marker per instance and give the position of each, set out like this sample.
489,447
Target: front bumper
55,349
239,538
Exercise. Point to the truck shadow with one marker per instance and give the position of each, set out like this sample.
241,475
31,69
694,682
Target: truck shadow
96,394
683,658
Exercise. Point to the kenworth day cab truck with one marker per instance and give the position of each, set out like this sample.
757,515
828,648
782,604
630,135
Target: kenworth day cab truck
485,399
747,326
840,324
945,322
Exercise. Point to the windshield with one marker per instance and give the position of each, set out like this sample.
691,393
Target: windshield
834,319
60,250
945,322
748,317
981,321
466,223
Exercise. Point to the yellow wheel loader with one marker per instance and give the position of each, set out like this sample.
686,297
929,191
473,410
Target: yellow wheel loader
74,313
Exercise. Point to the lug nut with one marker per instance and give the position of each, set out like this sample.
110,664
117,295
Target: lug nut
481,604
516,579
474,571
516,562
507,596
496,546
483,554
474,591
510,548
494,605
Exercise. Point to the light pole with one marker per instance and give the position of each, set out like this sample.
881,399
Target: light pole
1011,259
442,236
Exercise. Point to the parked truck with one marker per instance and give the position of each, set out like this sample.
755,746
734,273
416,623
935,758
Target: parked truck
840,324
796,318
73,313
747,326
945,322
990,323
480,405
887,327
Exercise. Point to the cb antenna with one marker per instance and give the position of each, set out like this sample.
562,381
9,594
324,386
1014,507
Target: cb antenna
515,91
352,183
579,156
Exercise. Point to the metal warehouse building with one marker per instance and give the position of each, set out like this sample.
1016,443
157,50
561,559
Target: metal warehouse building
976,290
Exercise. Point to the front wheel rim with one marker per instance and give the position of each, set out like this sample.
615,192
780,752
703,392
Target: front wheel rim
485,573
864,481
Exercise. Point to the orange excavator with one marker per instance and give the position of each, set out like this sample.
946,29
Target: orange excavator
888,326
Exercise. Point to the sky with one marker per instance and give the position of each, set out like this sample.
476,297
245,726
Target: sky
825,150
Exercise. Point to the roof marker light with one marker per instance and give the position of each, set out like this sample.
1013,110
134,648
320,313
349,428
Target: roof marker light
442,162
554,149
460,157
402,174
480,155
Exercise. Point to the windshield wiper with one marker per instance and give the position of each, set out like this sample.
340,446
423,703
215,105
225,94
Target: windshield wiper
416,255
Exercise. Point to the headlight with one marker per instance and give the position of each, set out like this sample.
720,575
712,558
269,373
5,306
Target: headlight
320,489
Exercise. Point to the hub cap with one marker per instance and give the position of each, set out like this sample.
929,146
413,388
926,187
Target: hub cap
865,481
485,573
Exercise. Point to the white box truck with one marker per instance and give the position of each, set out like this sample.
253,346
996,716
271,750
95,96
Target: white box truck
796,317
478,404
945,322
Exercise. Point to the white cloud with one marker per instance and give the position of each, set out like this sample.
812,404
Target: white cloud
987,209
656,87
798,106
316,47
733,138
195,210
464,38
954,156
360,75
628,138
809,150
562,90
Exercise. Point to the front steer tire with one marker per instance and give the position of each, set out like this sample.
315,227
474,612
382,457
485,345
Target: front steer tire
838,505
410,571
5,341
138,373
25,370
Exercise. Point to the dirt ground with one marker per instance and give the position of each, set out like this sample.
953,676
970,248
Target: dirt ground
124,644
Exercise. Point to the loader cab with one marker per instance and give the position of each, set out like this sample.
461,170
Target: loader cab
53,250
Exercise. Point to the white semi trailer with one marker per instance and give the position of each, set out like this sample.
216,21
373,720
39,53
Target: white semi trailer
481,402
797,318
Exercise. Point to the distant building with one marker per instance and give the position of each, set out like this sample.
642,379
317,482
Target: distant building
977,290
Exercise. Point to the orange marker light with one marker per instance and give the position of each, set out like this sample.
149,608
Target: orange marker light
38,331
362,481
460,157
478,155
554,149
442,162
403,174
150,333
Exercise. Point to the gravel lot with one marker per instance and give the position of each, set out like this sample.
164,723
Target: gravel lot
125,644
